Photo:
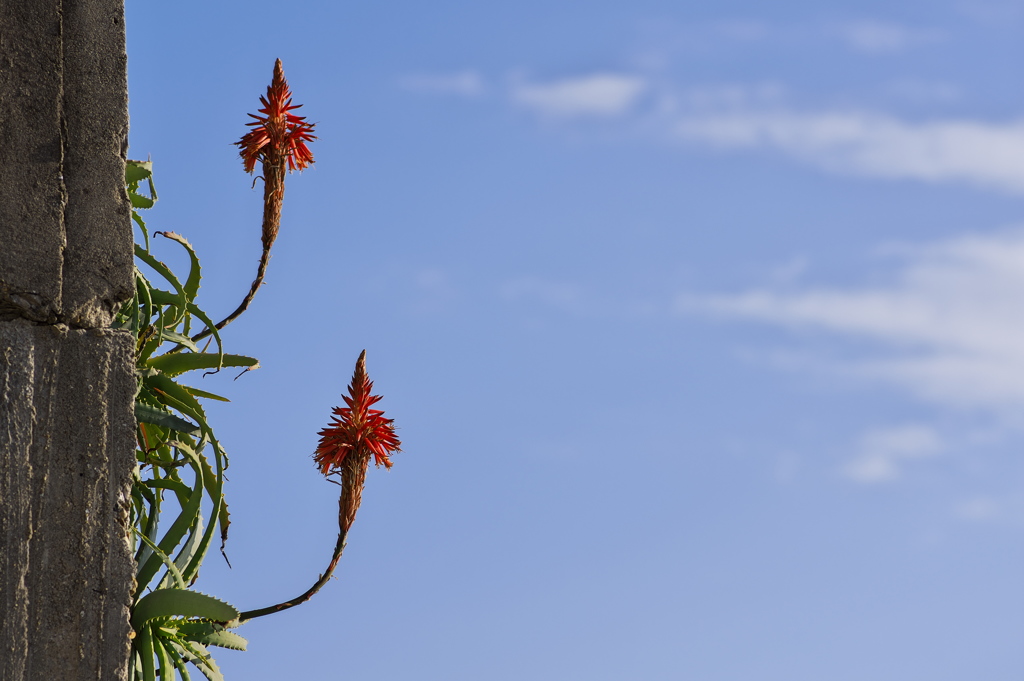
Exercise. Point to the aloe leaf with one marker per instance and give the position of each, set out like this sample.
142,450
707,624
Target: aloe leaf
205,319
156,416
145,300
128,315
173,395
142,225
196,392
140,201
192,545
160,269
178,528
181,339
134,173
162,297
214,487
180,489
142,500
180,603
198,655
195,272
210,634
137,171
179,664
181,362
152,522
172,569
136,661
166,665
224,639
145,650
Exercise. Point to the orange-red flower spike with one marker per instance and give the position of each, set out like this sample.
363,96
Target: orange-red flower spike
356,430
277,136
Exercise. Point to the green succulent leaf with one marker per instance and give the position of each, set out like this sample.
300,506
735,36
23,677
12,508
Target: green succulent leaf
214,481
137,171
197,654
181,339
164,656
146,653
179,664
149,414
180,603
173,395
212,634
195,272
225,639
196,392
179,527
172,569
177,363
161,269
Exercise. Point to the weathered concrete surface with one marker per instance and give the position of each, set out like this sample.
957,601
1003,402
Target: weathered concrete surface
31,160
66,381
65,232
99,253
66,444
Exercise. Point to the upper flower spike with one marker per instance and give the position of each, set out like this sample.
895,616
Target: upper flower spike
357,429
277,136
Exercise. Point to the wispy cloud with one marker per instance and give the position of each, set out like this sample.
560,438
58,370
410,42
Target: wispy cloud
992,508
733,117
599,94
949,327
464,83
876,145
874,37
557,294
432,292
885,451
923,91
977,509
755,117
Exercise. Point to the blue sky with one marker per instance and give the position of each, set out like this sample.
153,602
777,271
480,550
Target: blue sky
701,324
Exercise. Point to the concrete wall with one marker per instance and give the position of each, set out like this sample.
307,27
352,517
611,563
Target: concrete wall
66,381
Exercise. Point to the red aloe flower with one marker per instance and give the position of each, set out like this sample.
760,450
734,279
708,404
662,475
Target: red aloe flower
355,432
357,429
277,136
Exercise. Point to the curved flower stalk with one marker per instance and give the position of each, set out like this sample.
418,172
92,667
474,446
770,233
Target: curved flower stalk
278,141
356,433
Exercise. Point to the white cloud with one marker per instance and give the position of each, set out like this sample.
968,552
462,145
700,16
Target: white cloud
433,292
553,293
884,451
978,509
923,91
755,116
950,326
875,145
730,96
600,94
464,83
1001,508
875,37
